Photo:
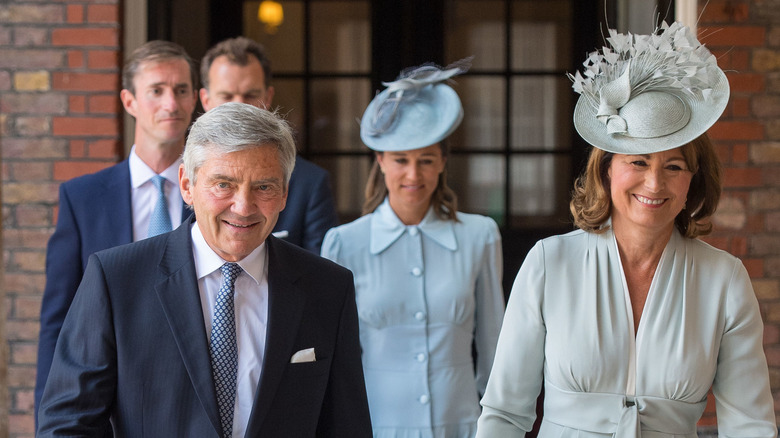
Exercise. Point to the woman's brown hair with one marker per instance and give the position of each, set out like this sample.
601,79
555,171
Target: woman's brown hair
444,199
591,204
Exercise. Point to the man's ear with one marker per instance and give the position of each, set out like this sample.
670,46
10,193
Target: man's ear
204,99
185,185
128,101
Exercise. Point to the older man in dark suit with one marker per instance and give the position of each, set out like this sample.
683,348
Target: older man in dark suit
216,329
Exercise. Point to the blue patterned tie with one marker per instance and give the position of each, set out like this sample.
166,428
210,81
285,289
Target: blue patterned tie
224,351
161,219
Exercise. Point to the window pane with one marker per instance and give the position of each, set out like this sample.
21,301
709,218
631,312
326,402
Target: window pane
285,45
479,181
476,27
288,100
348,176
484,106
539,186
541,35
340,36
337,104
541,112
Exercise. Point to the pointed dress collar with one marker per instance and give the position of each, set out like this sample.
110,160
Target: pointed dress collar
386,228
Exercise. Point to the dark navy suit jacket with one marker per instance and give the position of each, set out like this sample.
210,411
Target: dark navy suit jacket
133,349
95,213
310,210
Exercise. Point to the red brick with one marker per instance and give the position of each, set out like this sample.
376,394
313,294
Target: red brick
23,354
21,424
78,148
75,13
730,36
23,400
771,334
105,37
64,170
77,104
717,242
740,107
731,130
104,149
724,11
105,104
746,83
741,177
740,153
103,59
85,81
738,246
21,330
103,13
27,306
86,126
75,59
755,267
26,283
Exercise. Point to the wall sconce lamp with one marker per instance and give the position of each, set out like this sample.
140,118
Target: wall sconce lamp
271,14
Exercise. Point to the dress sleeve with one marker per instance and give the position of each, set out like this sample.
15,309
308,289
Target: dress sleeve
489,305
509,404
331,245
743,398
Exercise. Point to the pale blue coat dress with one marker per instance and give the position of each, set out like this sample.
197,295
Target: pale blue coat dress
569,326
424,293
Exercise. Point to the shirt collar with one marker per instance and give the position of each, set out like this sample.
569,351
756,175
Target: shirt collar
141,173
386,228
207,261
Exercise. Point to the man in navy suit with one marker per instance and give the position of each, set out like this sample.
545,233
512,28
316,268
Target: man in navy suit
238,70
216,329
114,206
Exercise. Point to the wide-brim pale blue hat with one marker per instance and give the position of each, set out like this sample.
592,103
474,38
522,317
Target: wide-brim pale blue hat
649,93
415,111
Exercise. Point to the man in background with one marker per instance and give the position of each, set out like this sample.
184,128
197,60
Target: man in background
129,201
238,70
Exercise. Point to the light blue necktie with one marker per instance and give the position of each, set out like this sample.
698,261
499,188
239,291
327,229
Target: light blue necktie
224,350
160,221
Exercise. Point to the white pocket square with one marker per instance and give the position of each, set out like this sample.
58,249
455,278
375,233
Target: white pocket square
306,355
281,234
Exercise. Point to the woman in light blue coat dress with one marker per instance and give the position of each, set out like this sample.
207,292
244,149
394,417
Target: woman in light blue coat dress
427,277
628,322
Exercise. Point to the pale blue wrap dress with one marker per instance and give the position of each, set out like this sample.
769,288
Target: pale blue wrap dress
569,326
424,294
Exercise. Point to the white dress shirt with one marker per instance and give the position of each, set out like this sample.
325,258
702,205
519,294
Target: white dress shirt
251,308
144,194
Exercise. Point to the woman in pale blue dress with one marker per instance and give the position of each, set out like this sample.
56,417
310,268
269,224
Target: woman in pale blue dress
427,277
628,322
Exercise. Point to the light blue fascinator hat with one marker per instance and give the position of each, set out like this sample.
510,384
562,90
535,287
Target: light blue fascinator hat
649,93
415,111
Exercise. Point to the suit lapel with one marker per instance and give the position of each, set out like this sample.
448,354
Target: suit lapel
180,300
285,310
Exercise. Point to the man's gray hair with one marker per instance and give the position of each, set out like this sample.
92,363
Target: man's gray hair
233,127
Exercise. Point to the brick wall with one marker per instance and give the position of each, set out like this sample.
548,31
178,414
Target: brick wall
60,117
745,36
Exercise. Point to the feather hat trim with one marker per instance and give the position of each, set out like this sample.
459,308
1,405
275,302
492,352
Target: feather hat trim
648,93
